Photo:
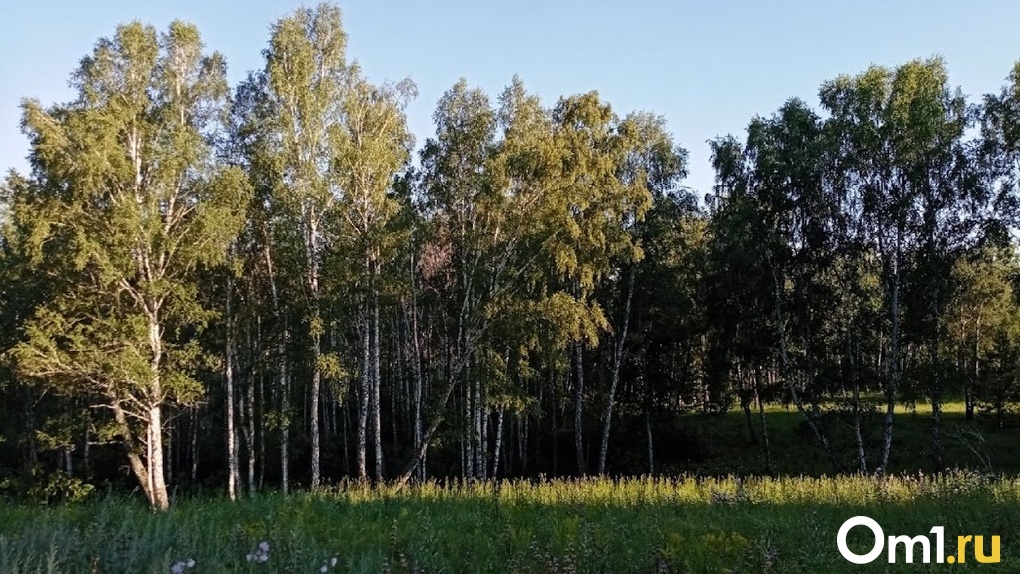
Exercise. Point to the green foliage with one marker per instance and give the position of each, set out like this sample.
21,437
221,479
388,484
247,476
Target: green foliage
332,370
35,484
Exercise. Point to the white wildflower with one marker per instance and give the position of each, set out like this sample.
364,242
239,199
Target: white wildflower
261,554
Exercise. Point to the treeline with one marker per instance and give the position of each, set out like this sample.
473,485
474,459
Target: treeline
269,285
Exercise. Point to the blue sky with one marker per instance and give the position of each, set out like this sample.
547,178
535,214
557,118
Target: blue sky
708,67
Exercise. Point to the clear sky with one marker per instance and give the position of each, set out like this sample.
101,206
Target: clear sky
708,67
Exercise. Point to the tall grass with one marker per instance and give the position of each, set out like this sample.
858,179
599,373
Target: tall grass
594,525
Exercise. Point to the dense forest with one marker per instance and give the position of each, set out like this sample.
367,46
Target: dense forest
272,285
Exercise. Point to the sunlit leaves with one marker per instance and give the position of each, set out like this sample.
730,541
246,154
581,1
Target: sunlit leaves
128,204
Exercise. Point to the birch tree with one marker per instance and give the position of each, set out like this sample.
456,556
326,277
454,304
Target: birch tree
372,143
306,81
131,204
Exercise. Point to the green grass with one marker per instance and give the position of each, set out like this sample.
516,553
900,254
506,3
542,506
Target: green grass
640,525
724,446
707,522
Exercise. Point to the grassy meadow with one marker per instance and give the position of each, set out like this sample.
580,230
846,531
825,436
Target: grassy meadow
719,444
686,523
639,525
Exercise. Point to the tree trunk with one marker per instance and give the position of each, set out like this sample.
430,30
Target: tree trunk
316,333
156,479
936,393
364,392
261,429
483,451
970,394
582,467
194,445
416,372
651,447
862,461
892,366
314,412
168,458
285,431
232,463
746,399
159,498
477,444
554,423
522,442
86,447
249,435
764,422
621,340
416,360
497,450
283,389
468,452
376,386
143,468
